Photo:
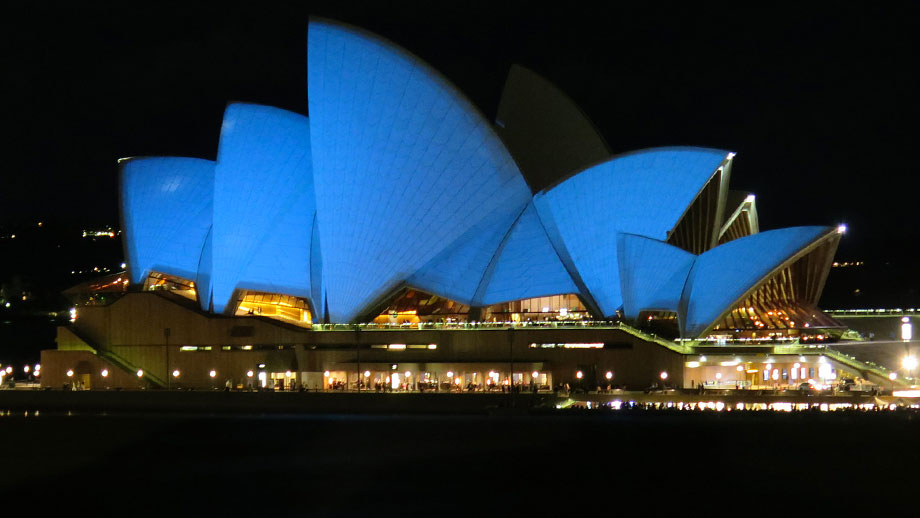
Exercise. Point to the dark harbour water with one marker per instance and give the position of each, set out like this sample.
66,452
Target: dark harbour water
558,465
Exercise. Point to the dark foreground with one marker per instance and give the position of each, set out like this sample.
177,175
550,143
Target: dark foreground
628,463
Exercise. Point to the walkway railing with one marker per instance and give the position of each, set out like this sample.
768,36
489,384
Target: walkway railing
480,326
897,312
547,324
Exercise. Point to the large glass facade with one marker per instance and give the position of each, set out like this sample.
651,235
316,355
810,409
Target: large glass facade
294,310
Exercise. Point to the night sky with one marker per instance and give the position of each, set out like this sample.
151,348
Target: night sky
819,102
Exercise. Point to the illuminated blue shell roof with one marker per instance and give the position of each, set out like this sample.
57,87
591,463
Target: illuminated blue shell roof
166,214
642,193
396,180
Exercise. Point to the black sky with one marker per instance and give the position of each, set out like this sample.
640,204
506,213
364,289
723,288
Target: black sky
820,102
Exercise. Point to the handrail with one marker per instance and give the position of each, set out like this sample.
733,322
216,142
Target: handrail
115,359
124,364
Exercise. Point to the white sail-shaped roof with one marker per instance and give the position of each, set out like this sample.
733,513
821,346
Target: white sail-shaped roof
652,274
643,193
721,276
459,270
397,180
166,210
403,164
526,265
264,170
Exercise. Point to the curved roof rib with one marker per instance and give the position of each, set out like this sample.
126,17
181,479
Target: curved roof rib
262,192
652,274
546,132
166,210
723,276
404,165
742,220
645,193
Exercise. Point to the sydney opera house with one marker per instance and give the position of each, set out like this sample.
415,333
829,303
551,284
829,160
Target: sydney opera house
392,235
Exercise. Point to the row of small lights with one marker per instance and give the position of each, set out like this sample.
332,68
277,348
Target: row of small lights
909,363
9,370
